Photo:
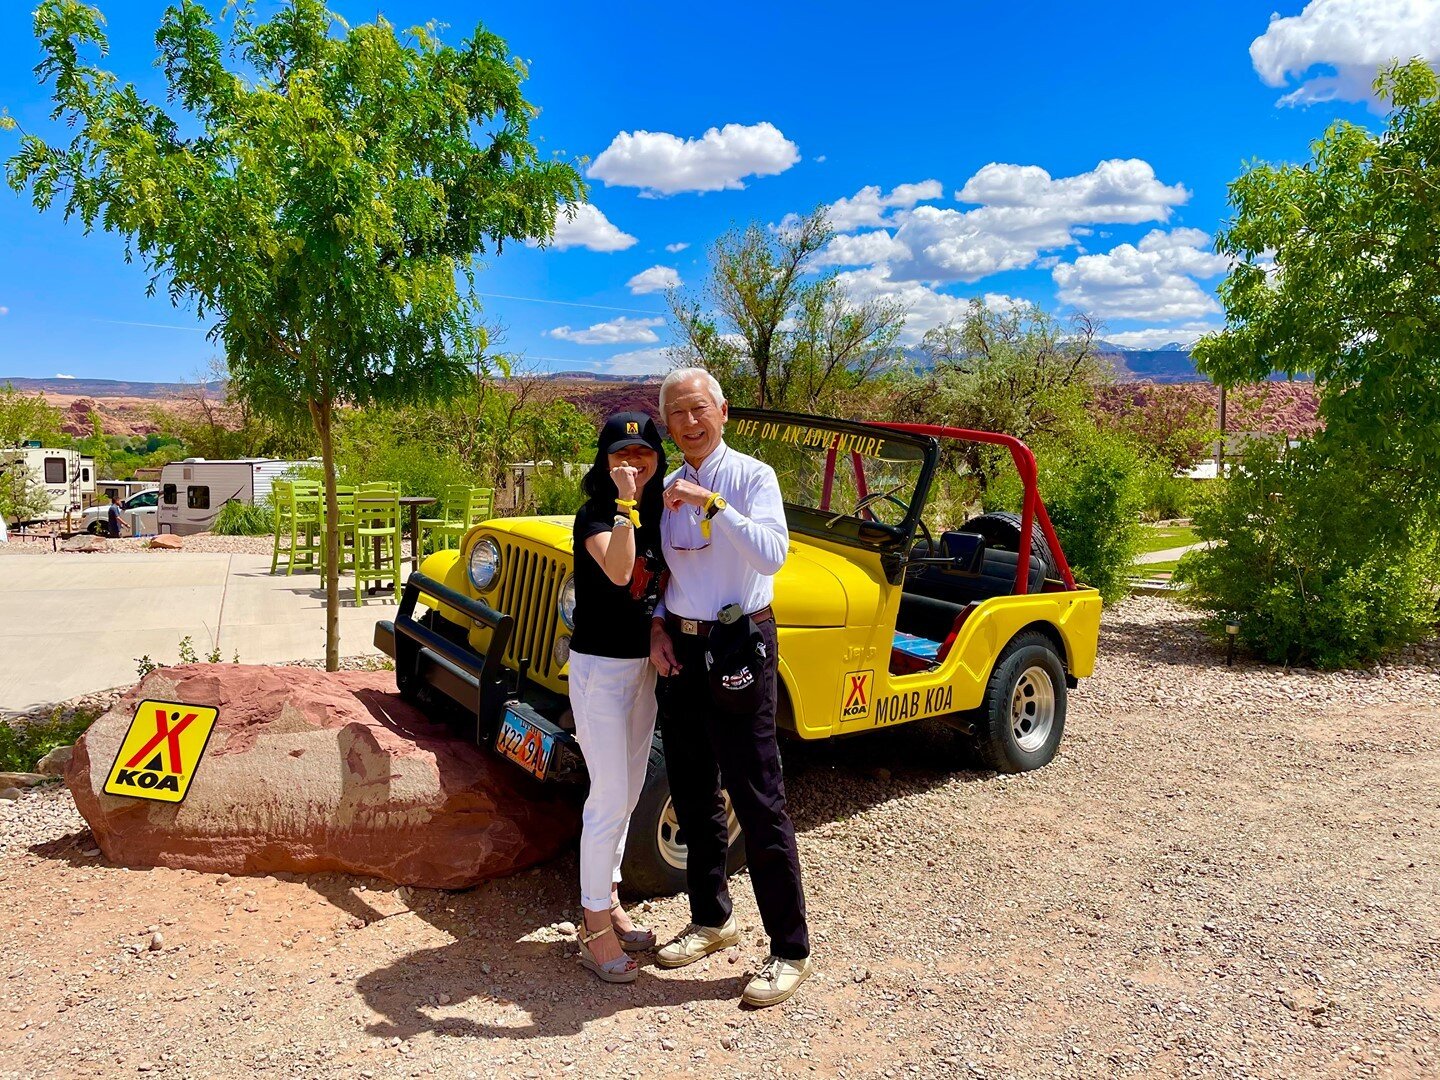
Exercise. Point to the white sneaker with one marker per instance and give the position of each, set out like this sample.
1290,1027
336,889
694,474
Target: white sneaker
697,942
777,981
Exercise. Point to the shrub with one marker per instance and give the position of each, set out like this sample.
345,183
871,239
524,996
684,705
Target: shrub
23,744
1320,558
239,519
1092,486
1163,495
554,491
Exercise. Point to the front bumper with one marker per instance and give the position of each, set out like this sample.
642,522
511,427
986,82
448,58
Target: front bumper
480,685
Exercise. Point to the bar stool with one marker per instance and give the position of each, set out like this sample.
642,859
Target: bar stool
377,533
479,505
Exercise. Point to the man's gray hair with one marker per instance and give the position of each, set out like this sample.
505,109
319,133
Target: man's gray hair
685,374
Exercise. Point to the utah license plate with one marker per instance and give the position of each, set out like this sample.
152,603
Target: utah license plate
525,744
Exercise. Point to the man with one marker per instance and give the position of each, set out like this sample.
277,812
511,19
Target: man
116,515
724,536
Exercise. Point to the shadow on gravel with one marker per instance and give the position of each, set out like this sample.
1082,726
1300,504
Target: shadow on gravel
505,964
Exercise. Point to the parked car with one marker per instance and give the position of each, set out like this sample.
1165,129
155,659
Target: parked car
140,511
879,622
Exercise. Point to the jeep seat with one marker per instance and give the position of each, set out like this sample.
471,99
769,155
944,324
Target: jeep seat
925,629
983,572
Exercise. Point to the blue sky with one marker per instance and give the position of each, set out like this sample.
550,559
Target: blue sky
1072,155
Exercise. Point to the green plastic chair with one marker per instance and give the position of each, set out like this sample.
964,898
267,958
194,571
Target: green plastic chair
345,526
381,486
377,541
479,505
452,510
298,522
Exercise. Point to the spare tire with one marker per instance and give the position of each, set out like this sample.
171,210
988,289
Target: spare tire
1001,529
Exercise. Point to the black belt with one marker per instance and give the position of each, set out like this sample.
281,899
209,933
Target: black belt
701,627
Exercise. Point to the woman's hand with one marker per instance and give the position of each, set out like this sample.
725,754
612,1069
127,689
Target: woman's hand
624,477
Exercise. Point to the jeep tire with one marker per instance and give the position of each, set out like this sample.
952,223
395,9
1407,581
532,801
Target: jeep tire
1022,717
654,862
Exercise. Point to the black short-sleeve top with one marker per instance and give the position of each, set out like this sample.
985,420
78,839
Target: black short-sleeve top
608,620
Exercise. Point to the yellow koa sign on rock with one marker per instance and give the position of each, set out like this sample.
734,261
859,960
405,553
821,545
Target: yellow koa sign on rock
161,750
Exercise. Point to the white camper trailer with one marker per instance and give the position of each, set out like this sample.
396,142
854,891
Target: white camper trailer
192,491
66,477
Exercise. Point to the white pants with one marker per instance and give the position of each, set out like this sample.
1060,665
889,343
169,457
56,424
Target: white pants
614,706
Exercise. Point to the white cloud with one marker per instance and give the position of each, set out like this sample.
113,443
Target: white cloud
4,311
927,308
1118,190
621,331
861,249
585,226
1024,216
675,249
1352,39
639,362
1154,280
1154,337
59,376
867,207
665,164
656,279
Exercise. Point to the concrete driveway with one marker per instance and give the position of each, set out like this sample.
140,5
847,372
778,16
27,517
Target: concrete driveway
71,624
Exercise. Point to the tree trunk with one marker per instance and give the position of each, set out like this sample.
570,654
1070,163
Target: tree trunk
320,413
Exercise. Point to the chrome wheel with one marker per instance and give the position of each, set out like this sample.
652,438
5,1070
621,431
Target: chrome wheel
671,841
1032,709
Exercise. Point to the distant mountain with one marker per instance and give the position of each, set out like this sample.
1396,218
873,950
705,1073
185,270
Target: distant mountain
1169,363
98,388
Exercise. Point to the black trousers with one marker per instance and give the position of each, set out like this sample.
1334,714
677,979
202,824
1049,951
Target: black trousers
707,746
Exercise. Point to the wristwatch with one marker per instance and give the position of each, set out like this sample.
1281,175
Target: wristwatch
714,505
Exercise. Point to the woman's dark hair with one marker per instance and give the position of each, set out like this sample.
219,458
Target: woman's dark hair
600,491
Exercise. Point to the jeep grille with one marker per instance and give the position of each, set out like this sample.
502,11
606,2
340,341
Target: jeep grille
529,586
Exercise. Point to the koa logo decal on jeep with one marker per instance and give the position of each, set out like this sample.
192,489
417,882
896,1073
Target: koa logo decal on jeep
161,750
915,703
855,695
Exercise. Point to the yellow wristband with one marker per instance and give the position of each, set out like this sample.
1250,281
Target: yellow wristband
634,516
626,503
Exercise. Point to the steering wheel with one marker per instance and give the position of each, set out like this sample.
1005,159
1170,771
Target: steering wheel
869,501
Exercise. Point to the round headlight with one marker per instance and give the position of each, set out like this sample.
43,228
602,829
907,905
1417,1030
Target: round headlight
566,602
484,564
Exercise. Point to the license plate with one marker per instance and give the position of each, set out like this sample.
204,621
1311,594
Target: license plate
525,744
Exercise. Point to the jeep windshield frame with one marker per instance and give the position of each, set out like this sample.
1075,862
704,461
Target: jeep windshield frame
845,452
848,462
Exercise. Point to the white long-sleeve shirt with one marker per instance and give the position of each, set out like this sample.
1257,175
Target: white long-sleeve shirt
748,539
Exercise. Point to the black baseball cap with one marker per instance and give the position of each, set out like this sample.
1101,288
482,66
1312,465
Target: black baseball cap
629,429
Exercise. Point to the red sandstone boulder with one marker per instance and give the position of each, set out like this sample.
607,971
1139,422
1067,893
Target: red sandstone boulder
311,771
165,542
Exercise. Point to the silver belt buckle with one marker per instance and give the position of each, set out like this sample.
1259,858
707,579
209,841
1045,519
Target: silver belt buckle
690,626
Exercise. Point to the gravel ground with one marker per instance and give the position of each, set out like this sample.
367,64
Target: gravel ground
207,542
227,545
1226,872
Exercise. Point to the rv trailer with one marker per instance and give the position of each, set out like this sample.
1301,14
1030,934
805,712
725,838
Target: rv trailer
192,491
66,477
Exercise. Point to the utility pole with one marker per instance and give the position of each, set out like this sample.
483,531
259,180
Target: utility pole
1220,444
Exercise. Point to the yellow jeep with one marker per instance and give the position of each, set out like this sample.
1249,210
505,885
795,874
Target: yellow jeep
879,622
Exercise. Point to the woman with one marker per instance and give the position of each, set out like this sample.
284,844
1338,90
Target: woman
612,682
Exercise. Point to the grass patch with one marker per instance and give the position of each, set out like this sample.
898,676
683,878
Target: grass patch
23,745
1158,539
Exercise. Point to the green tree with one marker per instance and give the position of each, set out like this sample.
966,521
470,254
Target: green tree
1336,276
1021,372
1327,556
777,335
25,416
320,189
